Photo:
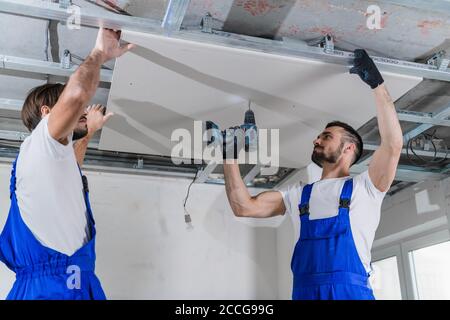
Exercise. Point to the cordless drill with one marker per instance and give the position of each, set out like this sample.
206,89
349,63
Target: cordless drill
224,137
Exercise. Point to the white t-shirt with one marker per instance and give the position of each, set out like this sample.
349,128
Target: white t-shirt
365,207
50,191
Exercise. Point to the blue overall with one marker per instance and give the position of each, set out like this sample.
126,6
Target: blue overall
325,263
44,273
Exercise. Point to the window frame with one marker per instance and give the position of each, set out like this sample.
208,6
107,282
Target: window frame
401,249
416,244
389,252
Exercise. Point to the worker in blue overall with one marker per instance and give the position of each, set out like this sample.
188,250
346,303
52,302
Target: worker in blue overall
49,236
338,214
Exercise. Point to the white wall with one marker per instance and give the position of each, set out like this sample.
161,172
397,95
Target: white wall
419,209
144,250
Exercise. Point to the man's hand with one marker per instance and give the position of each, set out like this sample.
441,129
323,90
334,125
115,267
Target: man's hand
82,85
233,142
96,118
108,46
364,66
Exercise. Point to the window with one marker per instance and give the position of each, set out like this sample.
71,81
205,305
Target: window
431,271
385,280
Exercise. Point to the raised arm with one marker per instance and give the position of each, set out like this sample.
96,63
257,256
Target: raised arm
82,85
264,205
384,162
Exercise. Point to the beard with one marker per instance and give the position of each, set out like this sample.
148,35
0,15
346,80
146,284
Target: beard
79,133
320,158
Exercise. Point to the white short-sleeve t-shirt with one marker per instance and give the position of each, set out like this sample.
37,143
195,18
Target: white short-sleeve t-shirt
49,191
365,207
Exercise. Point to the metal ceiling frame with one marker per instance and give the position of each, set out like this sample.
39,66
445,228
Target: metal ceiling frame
45,67
441,115
432,5
11,104
175,12
423,153
435,118
52,11
203,175
423,117
405,173
21,135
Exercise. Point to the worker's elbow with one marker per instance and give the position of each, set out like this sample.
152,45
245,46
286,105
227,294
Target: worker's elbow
239,212
76,96
396,146
78,92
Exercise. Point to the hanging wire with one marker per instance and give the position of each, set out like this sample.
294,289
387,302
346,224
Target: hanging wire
46,42
187,216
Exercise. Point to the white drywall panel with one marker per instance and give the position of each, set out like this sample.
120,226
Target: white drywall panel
167,83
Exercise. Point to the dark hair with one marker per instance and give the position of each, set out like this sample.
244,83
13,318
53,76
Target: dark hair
351,136
45,95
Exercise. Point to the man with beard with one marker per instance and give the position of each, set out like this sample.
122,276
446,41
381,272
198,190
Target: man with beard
338,214
49,237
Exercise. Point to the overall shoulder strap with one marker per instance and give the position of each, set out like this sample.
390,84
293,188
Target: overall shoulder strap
84,180
306,195
12,182
346,194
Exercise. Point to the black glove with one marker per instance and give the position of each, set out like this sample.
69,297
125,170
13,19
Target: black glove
233,142
364,66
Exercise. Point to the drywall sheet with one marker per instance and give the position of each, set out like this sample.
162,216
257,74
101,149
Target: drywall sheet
165,84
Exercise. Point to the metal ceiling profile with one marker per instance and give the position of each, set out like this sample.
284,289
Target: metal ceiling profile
52,11
11,104
442,115
428,5
422,117
176,10
45,67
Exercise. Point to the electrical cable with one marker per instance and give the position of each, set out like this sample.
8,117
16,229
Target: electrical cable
427,138
46,44
187,216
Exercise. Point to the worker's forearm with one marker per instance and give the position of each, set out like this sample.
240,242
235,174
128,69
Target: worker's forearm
80,148
86,78
237,193
388,123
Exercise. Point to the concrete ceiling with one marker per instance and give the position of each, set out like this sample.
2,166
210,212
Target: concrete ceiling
407,32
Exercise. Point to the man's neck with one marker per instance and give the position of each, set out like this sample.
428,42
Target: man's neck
334,171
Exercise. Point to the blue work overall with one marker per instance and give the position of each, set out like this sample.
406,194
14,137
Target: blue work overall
44,273
325,263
